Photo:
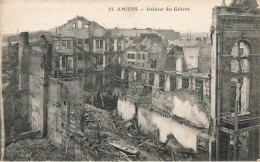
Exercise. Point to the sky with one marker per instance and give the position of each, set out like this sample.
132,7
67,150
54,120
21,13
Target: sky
34,15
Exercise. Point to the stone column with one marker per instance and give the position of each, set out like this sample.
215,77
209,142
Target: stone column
147,78
167,83
206,90
94,79
179,62
190,83
104,60
156,80
143,77
94,45
115,44
134,76
130,76
104,79
123,74
193,84
179,81
104,45
108,44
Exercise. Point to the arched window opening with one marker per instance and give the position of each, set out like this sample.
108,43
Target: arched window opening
240,77
240,58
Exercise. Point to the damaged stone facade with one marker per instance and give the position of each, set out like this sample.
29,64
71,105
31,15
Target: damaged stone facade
204,95
235,80
158,106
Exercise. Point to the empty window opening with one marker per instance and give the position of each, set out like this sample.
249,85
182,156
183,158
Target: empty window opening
69,44
80,41
240,59
80,24
63,44
63,61
173,83
57,45
86,26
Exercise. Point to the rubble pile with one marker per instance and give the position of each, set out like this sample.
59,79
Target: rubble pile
37,149
104,136
122,140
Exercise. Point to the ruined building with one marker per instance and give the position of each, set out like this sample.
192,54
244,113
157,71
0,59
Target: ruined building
219,110
235,80
206,95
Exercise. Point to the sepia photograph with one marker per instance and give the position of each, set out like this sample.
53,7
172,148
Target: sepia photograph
130,80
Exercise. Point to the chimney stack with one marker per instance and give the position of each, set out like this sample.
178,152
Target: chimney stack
24,38
44,38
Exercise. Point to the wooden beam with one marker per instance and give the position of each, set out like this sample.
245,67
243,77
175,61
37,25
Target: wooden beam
236,128
248,129
254,118
226,130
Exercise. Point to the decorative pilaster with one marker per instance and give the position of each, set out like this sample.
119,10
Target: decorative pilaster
179,81
156,80
94,45
167,83
134,77
115,44
147,78
179,62
123,74
104,60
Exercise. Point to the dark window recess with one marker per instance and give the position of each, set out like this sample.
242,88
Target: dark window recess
69,44
80,58
86,41
199,87
138,77
80,72
63,61
233,95
185,82
143,56
151,79
173,83
139,56
63,44
133,56
171,52
153,63
65,103
161,80
112,44
101,43
80,41
97,43
100,60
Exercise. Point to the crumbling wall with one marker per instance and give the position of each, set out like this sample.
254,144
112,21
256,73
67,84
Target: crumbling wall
65,109
9,85
126,109
181,103
191,55
36,92
149,122
184,104
54,112
21,112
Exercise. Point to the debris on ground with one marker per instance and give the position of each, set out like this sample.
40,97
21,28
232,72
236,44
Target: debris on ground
33,150
106,137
